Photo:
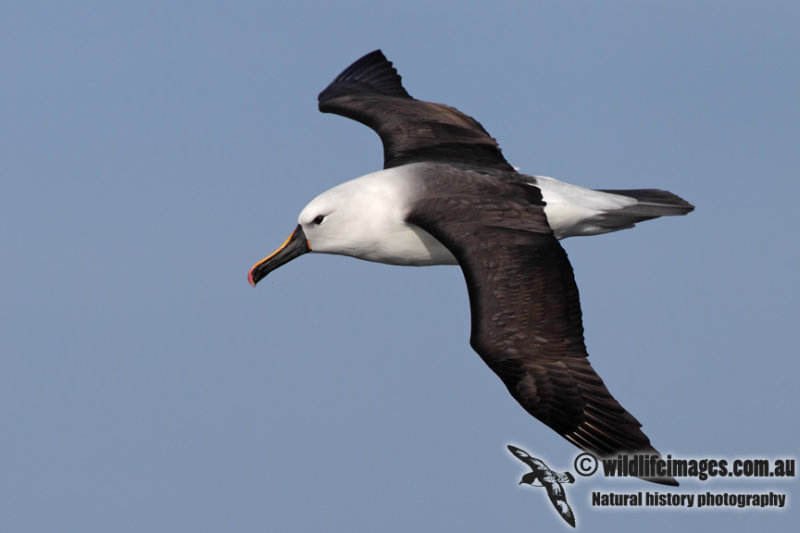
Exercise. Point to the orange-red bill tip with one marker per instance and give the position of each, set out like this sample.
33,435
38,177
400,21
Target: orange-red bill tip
294,246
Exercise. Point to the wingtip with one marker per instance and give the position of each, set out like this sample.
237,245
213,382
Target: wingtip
372,73
670,481
514,450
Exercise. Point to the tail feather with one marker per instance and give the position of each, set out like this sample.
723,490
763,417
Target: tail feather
650,203
573,211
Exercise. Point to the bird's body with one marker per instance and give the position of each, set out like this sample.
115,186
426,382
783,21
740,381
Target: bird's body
447,195
374,209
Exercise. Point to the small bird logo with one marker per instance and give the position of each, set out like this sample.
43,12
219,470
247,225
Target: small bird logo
548,479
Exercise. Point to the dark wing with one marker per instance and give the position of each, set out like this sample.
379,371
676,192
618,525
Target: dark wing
371,92
526,315
525,457
559,499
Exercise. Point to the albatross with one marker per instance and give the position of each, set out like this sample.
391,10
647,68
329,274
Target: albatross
447,196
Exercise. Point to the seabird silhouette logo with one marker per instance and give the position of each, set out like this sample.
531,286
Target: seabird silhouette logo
542,475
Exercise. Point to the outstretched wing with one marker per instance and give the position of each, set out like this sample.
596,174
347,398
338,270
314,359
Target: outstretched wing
559,499
528,459
526,315
371,92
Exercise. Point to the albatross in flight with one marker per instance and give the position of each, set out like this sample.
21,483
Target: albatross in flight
446,195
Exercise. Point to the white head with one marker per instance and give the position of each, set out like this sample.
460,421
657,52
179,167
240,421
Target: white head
363,218
354,218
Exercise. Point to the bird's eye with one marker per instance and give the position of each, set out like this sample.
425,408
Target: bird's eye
319,219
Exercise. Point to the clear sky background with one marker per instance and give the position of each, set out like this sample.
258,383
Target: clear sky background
150,152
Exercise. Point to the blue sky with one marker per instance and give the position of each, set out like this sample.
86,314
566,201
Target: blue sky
150,152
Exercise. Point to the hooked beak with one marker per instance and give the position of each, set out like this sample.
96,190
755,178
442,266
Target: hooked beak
295,246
